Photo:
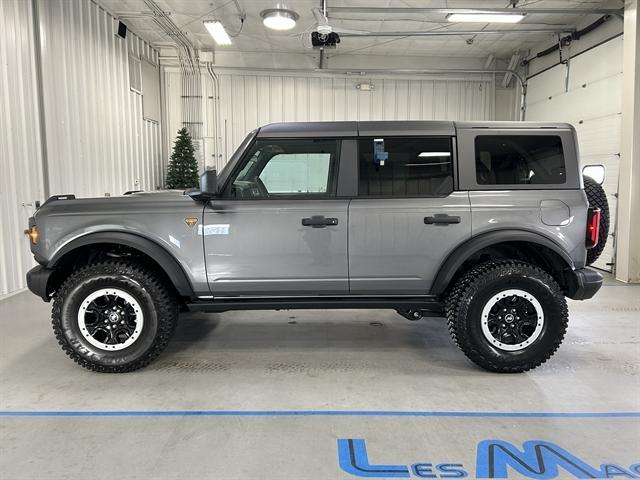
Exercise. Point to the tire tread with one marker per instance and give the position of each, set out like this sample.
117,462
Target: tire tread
165,304
472,281
598,199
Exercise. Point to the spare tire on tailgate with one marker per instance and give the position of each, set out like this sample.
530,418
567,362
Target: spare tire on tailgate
597,199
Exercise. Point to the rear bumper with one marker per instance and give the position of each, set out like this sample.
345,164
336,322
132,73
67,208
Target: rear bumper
583,283
37,280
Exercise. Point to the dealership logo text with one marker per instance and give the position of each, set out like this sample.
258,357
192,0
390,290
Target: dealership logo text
537,459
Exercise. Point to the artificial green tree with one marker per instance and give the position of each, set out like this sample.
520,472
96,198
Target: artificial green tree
183,167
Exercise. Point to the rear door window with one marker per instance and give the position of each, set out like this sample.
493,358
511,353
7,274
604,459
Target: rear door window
519,160
405,167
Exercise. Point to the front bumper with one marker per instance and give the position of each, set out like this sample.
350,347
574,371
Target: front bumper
583,283
37,280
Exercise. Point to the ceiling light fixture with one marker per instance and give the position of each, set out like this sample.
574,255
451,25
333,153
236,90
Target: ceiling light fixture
279,18
217,31
486,17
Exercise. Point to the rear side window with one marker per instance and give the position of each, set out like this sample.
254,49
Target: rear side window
519,160
405,167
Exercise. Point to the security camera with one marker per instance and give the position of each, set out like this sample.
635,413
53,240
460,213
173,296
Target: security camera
324,40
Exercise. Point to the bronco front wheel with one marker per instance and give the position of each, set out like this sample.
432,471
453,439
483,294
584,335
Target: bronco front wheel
115,316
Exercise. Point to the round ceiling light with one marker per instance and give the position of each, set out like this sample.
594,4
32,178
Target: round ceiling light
279,18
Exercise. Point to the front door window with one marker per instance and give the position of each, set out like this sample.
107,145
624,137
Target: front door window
287,168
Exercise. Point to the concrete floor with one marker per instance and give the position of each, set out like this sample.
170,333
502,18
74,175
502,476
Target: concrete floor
293,383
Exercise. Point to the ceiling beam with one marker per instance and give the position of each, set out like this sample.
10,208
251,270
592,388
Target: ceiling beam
438,33
445,11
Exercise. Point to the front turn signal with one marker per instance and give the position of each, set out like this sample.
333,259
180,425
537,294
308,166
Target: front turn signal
33,234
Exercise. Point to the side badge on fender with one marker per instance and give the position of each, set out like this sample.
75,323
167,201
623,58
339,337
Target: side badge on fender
191,221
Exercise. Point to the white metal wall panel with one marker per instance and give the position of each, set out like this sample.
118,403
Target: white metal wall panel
20,150
545,85
593,104
248,100
172,110
97,139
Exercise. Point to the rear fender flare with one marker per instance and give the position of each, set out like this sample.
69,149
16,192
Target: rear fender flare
464,251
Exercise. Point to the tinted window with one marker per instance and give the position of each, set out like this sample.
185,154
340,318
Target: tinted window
297,173
276,168
519,160
411,166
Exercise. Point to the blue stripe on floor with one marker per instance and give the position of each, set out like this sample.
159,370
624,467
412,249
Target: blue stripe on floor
304,413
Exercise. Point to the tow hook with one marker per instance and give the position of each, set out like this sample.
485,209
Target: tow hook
410,314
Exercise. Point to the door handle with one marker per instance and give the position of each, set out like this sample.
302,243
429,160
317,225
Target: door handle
319,221
441,219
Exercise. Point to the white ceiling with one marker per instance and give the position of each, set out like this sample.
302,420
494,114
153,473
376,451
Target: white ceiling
254,37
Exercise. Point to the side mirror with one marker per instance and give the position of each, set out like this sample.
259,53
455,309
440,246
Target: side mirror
208,186
209,182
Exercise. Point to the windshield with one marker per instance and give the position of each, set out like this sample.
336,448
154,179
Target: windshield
226,170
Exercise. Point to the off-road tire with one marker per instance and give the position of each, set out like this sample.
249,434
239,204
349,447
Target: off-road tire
598,199
145,285
472,291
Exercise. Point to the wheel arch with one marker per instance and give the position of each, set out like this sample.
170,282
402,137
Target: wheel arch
541,248
153,251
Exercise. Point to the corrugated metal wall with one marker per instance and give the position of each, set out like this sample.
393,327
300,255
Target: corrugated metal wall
97,139
20,153
248,100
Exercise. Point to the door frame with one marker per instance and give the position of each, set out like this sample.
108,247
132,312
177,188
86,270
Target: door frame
343,178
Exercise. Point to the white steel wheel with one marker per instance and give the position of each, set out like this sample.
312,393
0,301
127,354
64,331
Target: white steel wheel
110,319
512,320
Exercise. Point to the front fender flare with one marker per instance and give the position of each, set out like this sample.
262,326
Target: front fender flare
158,253
454,261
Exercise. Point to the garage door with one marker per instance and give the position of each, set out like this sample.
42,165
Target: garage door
591,100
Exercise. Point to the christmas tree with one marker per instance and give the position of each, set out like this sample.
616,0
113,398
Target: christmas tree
183,167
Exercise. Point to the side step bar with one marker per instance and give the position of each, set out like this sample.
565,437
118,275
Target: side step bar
292,303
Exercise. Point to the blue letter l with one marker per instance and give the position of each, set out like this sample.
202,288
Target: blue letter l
352,454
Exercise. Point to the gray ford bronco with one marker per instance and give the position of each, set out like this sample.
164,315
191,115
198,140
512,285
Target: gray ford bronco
489,224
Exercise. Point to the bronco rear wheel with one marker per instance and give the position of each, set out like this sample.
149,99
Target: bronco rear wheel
114,316
507,316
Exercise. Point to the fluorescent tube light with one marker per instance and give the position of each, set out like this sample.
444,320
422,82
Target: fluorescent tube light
434,154
486,17
217,31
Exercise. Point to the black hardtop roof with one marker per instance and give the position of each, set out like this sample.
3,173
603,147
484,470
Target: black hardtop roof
389,128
